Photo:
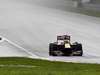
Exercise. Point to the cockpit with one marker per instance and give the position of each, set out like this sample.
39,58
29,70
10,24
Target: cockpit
63,39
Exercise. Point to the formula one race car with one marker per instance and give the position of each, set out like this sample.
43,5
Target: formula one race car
63,47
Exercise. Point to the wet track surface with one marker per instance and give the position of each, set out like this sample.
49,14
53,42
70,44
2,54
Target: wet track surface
33,26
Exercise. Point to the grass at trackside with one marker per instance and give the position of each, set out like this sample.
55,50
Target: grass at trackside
46,67
90,12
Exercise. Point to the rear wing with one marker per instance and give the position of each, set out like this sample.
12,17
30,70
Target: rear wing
63,37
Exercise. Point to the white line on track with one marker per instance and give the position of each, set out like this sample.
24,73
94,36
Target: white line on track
30,53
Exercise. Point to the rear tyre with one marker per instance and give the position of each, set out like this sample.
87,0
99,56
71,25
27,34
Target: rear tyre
53,51
77,50
52,47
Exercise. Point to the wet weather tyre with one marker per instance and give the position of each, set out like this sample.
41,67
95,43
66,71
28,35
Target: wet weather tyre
77,50
53,51
80,49
52,47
